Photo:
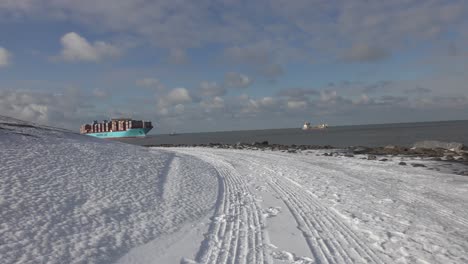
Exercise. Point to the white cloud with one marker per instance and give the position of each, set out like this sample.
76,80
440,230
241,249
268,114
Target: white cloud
210,89
314,28
328,96
77,48
237,80
66,109
215,103
296,105
362,100
5,56
179,109
179,96
267,101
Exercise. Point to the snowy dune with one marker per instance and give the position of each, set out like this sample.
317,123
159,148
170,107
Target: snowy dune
67,198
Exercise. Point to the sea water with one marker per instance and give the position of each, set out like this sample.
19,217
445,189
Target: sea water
404,134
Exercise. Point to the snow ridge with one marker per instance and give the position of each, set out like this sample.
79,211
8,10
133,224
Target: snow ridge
67,198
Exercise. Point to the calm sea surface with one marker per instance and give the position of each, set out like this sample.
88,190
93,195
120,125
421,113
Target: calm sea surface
341,136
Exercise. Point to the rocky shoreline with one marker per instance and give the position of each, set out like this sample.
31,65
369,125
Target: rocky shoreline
425,150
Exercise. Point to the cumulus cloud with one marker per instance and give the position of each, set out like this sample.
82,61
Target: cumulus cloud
310,28
357,31
328,96
179,96
362,100
77,48
211,89
296,105
173,102
237,80
267,101
66,109
24,105
215,103
250,106
5,56
297,93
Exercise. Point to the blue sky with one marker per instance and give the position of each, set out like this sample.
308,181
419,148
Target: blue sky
194,66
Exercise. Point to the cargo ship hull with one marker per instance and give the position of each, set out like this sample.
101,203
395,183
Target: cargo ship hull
134,132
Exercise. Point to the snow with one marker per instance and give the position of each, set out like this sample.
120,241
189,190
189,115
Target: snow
67,198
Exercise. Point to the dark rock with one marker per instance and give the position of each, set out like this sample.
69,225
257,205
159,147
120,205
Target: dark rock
327,154
264,142
359,150
465,173
433,144
465,156
402,163
371,157
384,159
449,158
418,165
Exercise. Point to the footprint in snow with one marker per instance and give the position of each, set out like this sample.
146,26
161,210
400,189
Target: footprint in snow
272,211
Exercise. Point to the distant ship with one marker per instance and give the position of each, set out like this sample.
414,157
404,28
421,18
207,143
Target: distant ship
308,126
117,128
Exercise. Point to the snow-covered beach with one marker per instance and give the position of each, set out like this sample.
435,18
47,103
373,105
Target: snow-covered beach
67,198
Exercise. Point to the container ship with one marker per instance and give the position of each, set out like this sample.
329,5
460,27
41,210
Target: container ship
117,128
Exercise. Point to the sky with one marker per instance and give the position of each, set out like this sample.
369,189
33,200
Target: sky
205,65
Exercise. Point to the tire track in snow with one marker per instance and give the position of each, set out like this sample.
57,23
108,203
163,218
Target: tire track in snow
403,193
332,237
236,233
406,195
329,240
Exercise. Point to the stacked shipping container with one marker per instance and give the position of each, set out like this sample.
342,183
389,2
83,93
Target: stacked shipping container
114,125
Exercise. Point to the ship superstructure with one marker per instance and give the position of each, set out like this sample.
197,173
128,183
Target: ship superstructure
117,128
308,126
